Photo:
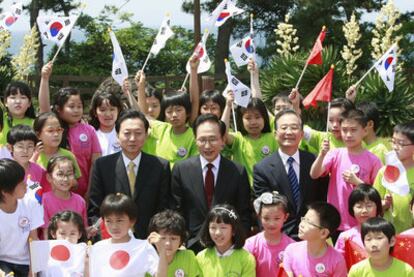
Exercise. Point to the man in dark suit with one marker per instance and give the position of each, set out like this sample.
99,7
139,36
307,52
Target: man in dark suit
143,177
287,170
203,181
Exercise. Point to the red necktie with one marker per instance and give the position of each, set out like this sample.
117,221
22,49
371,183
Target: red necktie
209,185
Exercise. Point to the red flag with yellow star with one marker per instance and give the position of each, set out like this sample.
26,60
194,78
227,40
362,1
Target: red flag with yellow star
404,249
353,253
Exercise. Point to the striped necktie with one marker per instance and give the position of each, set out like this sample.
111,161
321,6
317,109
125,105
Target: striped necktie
294,184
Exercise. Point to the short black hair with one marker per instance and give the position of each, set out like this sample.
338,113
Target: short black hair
67,216
281,96
131,114
211,118
285,112
362,192
254,104
171,222
226,214
97,100
378,225
175,98
118,204
214,96
11,174
329,216
51,164
370,109
354,114
21,132
407,129
342,103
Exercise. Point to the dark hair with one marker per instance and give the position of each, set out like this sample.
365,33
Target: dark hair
277,200
67,216
21,132
370,109
154,93
354,114
97,101
131,114
14,88
51,164
215,96
169,221
211,118
378,225
175,98
329,216
362,192
254,104
285,112
342,103
281,96
226,214
119,204
11,174
407,129
40,121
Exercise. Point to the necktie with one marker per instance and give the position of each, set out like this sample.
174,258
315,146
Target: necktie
209,184
294,184
131,177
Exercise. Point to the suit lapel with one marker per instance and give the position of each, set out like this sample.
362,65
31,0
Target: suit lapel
199,183
121,177
279,173
302,178
219,188
139,181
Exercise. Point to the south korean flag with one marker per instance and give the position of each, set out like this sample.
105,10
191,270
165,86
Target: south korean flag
241,91
386,66
242,51
119,68
8,18
55,28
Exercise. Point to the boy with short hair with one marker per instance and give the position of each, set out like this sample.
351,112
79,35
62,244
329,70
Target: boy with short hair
378,236
313,256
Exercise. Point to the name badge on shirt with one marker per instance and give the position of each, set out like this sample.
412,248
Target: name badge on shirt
265,150
24,224
320,268
179,273
181,152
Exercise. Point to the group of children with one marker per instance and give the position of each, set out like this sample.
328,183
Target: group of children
44,180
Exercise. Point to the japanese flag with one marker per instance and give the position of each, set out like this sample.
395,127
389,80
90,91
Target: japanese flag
58,256
119,68
55,28
395,175
386,67
241,91
8,18
225,10
242,51
202,54
163,35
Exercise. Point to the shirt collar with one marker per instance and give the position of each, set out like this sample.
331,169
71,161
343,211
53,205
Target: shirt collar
136,161
215,163
285,157
225,254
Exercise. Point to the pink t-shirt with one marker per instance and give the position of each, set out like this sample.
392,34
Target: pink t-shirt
337,161
268,256
297,260
36,172
353,234
83,143
53,205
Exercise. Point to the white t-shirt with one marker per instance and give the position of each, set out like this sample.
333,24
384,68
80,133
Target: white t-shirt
15,228
109,142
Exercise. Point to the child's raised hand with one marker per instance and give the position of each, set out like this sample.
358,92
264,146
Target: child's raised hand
294,97
194,62
229,98
387,202
252,66
351,93
140,78
91,231
325,147
126,87
156,239
47,70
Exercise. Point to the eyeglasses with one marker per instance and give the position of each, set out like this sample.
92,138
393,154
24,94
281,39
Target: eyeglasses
304,219
21,148
399,143
204,141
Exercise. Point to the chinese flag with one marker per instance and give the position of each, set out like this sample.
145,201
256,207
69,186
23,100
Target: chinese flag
315,56
353,253
281,272
404,249
322,91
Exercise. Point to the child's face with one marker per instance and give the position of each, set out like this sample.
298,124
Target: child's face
107,114
171,242
352,133
118,226
402,145
67,230
221,234
281,105
23,151
154,106
62,176
211,107
17,104
72,110
176,116
310,228
273,218
364,210
253,122
377,245
334,122
51,133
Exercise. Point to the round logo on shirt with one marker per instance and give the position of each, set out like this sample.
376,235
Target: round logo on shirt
23,222
265,150
116,147
179,273
355,168
181,152
320,268
83,137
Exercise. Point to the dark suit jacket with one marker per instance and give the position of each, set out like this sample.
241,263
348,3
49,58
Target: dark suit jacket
232,187
270,175
152,186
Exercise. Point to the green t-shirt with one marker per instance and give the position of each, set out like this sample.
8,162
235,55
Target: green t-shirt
400,214
397,269
170,146
379,148
42,160
315,139
16,121
248,151
239,263
184,264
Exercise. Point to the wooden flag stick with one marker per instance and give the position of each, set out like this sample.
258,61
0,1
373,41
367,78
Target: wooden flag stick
146,61
365,75
185,81
327,117
234,117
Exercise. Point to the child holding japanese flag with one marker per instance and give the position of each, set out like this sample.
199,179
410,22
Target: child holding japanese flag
395,181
